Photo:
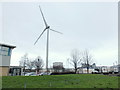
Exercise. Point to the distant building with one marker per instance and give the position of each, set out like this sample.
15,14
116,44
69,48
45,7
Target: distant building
15,70
84,70
5,56
58,67
119,68
115,68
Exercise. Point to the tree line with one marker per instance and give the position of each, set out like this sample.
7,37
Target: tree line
76,59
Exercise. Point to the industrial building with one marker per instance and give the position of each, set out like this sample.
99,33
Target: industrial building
5,56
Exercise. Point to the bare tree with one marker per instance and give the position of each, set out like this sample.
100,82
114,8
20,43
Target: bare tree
75,59
26,62
87,59
38,63
22,62
29,64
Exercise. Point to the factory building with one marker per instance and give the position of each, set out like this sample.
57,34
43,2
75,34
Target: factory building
5,56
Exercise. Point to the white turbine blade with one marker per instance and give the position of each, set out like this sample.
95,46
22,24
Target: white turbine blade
56,31
39,36
43,17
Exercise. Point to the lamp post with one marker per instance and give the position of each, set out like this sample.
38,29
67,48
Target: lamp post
38,66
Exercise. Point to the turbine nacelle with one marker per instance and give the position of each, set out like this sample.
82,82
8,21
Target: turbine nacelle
48,27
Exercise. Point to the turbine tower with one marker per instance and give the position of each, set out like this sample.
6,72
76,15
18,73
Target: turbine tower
47,28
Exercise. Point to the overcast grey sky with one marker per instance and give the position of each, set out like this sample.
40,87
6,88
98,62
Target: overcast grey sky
85,25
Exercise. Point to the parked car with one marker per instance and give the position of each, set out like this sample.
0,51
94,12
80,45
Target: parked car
44,73
30,74
94,72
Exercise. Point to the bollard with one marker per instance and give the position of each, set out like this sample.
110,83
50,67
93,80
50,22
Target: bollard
24,85
50,84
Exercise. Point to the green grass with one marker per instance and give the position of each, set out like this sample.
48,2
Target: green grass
61,81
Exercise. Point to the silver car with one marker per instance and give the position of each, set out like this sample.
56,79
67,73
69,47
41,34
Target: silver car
30,74
44,73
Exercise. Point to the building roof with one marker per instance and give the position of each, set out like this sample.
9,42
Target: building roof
6,45
16,66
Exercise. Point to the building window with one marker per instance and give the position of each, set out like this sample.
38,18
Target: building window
5,51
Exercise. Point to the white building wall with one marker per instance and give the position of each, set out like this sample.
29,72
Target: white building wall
5,60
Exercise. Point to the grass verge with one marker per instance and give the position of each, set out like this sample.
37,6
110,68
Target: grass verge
61,81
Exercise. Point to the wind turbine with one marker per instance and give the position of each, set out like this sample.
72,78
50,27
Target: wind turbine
47,28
